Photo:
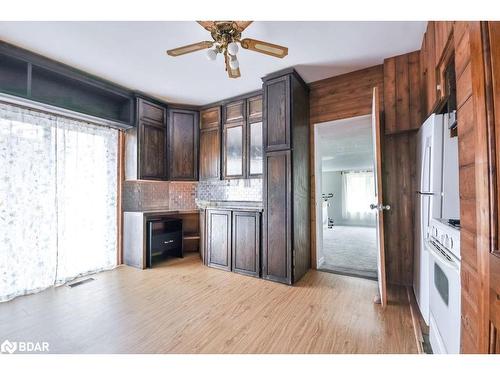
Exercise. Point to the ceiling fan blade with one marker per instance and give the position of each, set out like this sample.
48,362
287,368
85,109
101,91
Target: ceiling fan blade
232,73
189,48
264,47
242,25
207,25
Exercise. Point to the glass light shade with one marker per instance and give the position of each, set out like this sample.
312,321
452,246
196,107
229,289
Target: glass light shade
211,54
233,63
232,48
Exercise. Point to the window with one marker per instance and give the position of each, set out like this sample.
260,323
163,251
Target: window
58,200
358,194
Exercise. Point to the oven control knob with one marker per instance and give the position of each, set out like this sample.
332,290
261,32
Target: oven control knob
451,243
446,241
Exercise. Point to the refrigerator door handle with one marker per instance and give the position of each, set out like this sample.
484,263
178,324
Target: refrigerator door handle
425,193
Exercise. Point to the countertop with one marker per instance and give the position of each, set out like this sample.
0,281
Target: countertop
235,205
166,211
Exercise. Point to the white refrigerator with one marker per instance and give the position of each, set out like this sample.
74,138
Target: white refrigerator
428,202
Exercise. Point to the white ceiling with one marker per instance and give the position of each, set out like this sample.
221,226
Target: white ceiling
345,144
132,54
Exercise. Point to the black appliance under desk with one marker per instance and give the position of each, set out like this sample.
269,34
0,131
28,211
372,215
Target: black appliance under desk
164,238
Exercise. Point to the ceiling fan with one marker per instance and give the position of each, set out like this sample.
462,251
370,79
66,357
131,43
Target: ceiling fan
226,35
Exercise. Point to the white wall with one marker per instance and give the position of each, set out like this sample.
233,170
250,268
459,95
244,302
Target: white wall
332,183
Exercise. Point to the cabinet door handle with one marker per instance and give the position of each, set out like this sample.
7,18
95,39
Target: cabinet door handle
169,241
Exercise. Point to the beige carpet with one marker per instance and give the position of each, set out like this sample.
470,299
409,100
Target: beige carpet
350,250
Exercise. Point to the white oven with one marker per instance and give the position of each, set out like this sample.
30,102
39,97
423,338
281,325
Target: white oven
444,272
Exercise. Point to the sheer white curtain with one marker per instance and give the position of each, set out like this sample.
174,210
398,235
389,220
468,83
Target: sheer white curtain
358,193
58,182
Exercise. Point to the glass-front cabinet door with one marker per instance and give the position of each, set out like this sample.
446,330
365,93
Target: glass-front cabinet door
234,151
255,149
243,138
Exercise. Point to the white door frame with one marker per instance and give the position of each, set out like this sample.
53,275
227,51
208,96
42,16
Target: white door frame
318,212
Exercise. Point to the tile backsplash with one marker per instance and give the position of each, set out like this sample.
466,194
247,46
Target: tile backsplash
140,195
182,195
150,195
230,190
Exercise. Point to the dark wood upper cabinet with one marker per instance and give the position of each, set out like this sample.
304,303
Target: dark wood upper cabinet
277,112
210,146
183,134
210,118
245,246
218,239
242,144
255,143
233,140
148,111
234,112
234,151
152,138
254,106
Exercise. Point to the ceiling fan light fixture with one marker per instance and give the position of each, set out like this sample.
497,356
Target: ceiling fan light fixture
227,41
211,54
232,48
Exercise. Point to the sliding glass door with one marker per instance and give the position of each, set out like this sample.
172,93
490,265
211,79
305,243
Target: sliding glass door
86,198
58,192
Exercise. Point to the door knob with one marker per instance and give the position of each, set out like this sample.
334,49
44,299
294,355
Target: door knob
380,207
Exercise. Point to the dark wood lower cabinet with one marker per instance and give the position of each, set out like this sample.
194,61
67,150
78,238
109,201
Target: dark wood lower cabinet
219,239
246,243
276,258
233,240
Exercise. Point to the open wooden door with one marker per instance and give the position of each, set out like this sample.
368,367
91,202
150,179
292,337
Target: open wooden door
493,82
378,204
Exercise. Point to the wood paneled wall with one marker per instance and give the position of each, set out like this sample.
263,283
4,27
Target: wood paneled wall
474,177
402,93
399,171
402,118
344,96
350,95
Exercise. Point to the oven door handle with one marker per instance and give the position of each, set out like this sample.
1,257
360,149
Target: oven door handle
440,257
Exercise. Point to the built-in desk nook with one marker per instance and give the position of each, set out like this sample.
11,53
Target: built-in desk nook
149,236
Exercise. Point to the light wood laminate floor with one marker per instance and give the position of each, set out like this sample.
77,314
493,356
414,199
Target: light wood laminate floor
184,307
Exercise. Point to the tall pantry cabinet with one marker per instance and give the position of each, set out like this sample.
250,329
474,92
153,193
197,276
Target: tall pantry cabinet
286,220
